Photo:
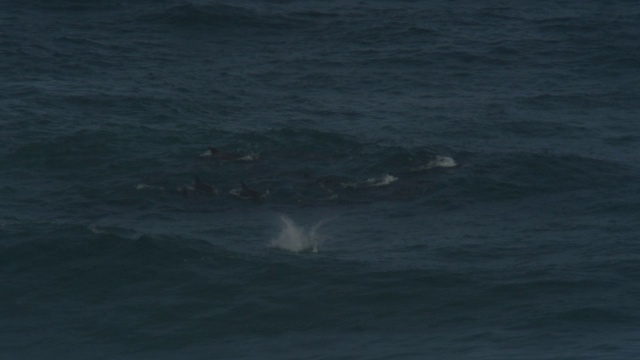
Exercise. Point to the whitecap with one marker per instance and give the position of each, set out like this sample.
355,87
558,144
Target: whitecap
383,180
249,157
437,161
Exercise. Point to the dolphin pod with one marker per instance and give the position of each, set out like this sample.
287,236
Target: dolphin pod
330,185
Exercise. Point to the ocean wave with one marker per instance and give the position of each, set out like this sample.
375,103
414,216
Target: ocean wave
219,16
77,5
53,243
533,174
437,161
373,182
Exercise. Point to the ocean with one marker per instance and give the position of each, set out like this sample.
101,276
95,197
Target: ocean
289,179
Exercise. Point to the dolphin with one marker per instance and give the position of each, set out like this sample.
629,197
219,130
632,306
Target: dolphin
199,186
247,193
218,154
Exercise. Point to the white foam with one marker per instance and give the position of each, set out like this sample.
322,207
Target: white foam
206,153
249,157
350,184
96,230
296,238
238,193
438,161
383,180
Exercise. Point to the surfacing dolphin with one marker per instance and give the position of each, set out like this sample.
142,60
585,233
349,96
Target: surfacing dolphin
218,154
200,186
246,193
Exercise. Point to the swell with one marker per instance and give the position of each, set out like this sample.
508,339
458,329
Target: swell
170,292
220,17
137,281
566,180
296,167
100,265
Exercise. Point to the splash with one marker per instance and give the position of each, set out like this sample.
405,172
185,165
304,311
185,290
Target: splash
296,238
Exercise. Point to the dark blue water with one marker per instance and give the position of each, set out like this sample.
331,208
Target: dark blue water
424,179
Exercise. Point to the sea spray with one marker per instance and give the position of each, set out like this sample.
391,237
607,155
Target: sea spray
296,238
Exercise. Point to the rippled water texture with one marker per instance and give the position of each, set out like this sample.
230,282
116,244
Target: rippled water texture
319,179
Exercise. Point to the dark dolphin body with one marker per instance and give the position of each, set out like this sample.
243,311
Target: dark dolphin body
218,154
199,186
247,193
